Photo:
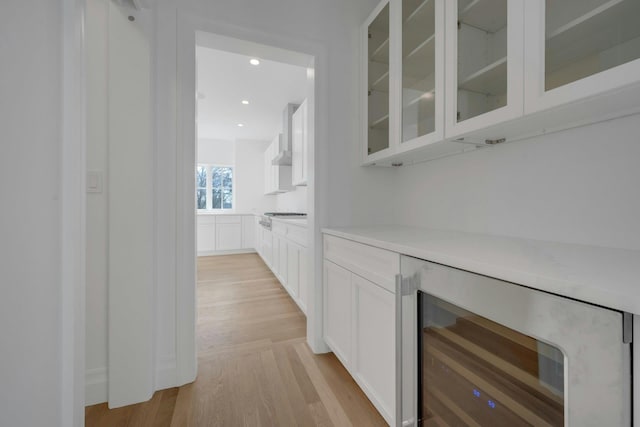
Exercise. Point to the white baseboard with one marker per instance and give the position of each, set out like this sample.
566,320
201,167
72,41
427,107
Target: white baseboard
231,252
96,386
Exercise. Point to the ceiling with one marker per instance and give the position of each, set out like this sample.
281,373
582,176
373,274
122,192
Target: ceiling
224,79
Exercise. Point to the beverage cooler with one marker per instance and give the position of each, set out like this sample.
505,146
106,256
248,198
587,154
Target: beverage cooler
477,351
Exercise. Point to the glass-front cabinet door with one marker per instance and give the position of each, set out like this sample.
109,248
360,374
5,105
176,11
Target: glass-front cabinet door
377,50
484,60
422,79
579,48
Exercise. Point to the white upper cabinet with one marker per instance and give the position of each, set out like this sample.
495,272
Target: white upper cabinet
299,145
514,69
485,43
580,48
376,70
421,69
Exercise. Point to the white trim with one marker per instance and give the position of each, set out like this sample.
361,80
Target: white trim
96,387
73,215
229,252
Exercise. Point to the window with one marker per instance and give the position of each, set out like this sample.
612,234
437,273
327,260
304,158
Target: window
214,187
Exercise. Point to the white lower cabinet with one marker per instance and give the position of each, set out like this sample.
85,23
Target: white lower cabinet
337,311
206,234
283,249
282,261
220,234
248,232
359,316
373,354
228,237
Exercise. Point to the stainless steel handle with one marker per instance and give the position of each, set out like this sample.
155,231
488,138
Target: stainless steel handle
398,422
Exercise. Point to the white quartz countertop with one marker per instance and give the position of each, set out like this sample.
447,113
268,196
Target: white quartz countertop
224,213
301,222
604,276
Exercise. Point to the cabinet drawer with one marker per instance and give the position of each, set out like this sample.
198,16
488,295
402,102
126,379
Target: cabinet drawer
228,219
297,235
279,228
377,265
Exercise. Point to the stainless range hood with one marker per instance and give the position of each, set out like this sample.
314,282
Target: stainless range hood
283,158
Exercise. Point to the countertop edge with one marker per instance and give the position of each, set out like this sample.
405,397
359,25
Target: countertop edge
609,298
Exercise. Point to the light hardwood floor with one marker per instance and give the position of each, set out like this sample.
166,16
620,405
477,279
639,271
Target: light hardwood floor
254,366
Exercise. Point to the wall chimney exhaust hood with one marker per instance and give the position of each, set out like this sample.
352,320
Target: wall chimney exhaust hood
283,158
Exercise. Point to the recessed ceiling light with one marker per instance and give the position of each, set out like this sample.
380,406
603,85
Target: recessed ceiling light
240,125
254,61
245,102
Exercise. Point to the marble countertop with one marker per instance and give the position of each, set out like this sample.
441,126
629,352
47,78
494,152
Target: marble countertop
224,213
301,222
605,276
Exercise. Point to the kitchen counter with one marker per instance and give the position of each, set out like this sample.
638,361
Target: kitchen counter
224,213
301,222
604,276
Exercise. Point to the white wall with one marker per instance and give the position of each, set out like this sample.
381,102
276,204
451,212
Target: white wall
577,186
292,201
247,158
250,196
218,152
30,242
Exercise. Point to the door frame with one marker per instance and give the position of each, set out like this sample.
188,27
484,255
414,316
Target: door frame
190,29
72,214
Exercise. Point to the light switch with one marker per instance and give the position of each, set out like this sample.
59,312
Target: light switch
94,182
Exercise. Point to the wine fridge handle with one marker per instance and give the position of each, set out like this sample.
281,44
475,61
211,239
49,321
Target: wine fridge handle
398,415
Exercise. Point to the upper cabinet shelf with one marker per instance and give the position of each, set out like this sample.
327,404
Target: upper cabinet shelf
515,68
490,80
487,15
610,25
420,61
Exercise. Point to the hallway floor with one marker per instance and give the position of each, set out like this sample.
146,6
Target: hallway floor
254,366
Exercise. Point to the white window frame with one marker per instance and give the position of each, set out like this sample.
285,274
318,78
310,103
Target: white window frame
209,189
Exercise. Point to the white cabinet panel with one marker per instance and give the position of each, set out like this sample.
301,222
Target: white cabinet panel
293,269
299,146
373,362
282,261
378,265
228,236
248,232
206,237
267,246
338,311
303,280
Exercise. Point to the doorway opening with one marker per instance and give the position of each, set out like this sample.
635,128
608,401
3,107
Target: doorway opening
255,107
